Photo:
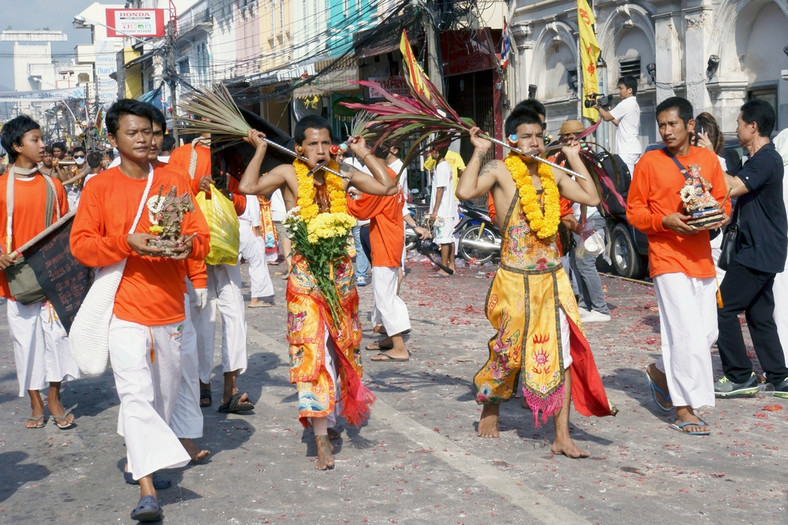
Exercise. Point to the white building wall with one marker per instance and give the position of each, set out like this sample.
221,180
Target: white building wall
678,36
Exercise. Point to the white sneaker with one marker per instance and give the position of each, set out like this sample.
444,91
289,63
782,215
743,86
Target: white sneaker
594,317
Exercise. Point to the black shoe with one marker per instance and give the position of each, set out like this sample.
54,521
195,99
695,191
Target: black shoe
147,510
781,389
727,388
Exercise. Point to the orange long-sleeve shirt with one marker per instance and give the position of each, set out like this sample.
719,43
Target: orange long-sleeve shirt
152,288
654,194
386,229
29,213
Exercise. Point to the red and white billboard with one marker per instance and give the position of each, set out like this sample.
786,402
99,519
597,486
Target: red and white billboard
135,22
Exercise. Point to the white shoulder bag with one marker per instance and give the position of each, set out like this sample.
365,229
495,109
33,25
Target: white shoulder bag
89,335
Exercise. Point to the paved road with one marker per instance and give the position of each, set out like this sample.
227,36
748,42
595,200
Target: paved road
418,459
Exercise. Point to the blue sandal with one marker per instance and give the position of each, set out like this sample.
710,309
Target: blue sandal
147,510
656,390
700,423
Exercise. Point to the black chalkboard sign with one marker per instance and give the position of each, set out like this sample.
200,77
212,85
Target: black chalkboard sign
64,280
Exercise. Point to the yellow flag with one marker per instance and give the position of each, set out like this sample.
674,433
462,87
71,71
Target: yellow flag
414,71
589,54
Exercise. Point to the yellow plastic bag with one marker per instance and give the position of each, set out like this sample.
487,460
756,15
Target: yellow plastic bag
223,224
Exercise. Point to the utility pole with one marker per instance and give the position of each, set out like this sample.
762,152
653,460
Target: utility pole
434,67
172,73
172,78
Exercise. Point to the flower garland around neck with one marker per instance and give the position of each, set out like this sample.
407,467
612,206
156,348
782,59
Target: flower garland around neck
545,224
306,191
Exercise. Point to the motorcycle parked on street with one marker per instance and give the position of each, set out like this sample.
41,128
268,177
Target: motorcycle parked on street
480,240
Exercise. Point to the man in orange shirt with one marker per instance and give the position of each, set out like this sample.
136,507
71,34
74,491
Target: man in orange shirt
146,326
41,351
224,294
387,237
187,418
680,264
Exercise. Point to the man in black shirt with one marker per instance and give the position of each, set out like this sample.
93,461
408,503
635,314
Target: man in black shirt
760,254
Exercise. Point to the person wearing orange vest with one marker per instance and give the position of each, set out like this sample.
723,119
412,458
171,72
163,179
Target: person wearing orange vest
41,351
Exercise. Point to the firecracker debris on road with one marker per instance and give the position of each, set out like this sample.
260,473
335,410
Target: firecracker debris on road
418,459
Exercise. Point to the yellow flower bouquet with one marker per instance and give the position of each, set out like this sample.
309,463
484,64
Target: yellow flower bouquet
320,241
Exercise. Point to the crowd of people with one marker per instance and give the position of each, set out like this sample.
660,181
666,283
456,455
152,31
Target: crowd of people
166,297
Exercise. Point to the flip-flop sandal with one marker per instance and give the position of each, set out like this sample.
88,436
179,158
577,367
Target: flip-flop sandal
158,483
205,393
39,421
147,510
700,423
235,405
655,391
385,357
261,304
64,417
375,346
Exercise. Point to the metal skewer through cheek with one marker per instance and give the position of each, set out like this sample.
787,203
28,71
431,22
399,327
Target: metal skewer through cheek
535,157
304,159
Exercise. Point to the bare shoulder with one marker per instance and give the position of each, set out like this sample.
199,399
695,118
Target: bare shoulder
492,167
348,169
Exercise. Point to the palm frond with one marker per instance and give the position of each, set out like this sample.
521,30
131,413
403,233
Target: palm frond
212,111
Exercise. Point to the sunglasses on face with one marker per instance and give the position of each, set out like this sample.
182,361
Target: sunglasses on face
79,156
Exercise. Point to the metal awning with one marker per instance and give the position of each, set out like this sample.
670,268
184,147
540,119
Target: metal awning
385,38
325,83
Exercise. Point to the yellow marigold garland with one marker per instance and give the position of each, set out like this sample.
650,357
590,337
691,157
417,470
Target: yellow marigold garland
307,192
544,224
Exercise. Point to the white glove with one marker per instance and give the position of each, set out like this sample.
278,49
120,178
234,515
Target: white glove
202,298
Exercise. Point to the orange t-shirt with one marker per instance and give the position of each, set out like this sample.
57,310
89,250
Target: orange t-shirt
152,288
181,158
29,213
386,229
654,194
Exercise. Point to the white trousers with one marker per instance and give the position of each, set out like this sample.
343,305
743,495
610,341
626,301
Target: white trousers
146,362
329,356
389,308
780,290
41,350
224,296
187,420
688,327
252,249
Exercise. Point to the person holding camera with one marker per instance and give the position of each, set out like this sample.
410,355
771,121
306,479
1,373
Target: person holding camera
626,117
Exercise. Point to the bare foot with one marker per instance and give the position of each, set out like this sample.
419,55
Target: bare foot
194,451
662,394
325,459
488,422
36,421
568,448
685,414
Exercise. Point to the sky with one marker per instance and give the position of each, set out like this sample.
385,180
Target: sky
55,15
